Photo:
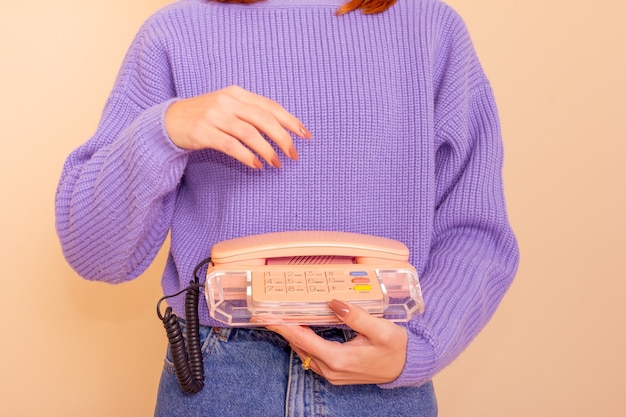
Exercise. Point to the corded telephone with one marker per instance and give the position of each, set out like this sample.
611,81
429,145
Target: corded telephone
290,277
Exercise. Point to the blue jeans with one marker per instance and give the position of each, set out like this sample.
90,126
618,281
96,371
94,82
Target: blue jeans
254,372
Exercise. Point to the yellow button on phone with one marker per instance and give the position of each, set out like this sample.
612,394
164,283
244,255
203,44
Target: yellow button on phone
362,288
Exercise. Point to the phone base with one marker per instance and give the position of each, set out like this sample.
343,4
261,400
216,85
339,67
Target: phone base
300,295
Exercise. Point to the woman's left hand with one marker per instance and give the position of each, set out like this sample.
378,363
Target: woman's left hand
375,356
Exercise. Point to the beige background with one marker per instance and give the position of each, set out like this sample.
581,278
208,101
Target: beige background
555,347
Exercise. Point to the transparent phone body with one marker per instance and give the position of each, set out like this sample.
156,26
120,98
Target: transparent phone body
299,294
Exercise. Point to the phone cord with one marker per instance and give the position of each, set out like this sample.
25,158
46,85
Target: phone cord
188,364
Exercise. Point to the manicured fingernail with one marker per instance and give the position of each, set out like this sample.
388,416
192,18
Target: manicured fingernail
339,308
293,154
257,164
276,162
305,132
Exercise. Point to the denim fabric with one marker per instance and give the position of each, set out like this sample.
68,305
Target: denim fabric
254,372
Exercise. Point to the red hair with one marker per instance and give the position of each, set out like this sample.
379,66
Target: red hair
366,6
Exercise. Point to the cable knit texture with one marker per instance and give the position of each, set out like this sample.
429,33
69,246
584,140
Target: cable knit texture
406,145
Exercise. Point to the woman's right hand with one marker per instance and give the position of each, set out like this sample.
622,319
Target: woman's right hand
231,121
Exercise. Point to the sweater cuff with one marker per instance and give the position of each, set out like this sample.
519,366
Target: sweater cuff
154,153
420,362
161,145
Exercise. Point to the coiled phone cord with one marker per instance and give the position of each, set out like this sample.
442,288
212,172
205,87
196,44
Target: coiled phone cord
187,362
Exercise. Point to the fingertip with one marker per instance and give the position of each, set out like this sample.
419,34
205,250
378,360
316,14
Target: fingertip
257,164
275,162
305,133
340,308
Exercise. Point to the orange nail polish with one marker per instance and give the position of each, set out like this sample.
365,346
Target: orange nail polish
339,308
305,132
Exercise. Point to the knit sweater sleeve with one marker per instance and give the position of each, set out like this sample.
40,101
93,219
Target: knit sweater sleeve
474,253
115,198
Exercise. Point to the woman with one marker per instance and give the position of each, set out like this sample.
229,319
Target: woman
202,137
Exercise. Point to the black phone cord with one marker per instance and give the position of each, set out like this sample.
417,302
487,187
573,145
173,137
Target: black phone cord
188,364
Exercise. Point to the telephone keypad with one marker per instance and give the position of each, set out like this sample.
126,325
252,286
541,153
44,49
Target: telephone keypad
318,282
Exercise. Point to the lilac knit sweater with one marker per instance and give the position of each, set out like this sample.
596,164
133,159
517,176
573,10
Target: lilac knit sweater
406,144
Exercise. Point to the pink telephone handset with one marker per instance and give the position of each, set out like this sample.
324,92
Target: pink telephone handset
292,276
